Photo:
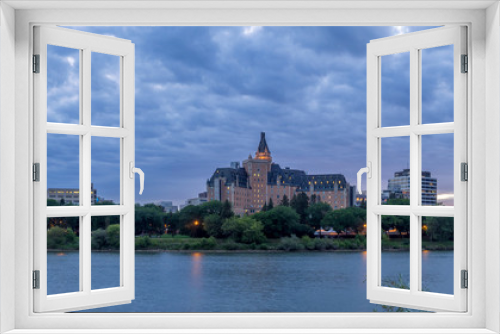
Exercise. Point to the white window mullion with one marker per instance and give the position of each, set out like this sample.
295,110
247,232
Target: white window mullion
373,184
40,156
123,179
85,254
127,116
415,174
85,172
460,156
393,131
85,159
405,210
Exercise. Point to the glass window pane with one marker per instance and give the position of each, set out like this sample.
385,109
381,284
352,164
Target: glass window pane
106,78
437,84
437,254
105,171
63,255
395,171
395,89
437,169
63,170
63,85
395,252
105,262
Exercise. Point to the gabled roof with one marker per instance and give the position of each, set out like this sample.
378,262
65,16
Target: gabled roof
231,175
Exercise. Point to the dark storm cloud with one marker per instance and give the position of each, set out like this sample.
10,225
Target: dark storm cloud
203,95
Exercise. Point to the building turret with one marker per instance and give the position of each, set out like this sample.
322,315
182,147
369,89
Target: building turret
263,152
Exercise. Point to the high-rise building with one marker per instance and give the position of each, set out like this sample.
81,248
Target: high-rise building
399,187
259,181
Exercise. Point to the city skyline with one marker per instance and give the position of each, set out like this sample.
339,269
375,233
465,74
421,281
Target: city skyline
203,93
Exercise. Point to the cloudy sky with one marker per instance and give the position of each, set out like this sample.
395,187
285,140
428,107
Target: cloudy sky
204,94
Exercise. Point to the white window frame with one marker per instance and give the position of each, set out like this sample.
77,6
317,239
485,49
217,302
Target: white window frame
86,43
414,43
16,214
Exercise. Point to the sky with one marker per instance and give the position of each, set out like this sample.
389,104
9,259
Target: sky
204,94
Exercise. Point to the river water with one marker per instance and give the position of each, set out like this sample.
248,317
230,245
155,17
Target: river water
247,282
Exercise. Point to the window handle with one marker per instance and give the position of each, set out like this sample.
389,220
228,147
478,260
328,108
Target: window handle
368,171
139,171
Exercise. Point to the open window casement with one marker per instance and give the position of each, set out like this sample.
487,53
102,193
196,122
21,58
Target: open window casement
85,295
414,295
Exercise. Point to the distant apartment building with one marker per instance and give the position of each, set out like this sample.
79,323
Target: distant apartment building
168,206
399,187
70,196
202,198
250,187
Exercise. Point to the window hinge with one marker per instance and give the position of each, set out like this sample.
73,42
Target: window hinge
464,170
465,279
36,172
465,64
36,279
36,63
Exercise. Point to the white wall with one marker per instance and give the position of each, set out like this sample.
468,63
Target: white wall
493,161
7,157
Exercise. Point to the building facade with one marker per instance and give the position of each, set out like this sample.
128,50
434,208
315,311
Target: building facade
259,181
70,196
202,198
399,187
168,206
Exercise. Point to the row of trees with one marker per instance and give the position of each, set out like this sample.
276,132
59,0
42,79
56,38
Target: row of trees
67,239
299,216
434,228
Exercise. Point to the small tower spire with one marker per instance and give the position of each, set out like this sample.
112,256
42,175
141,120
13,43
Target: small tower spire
263,152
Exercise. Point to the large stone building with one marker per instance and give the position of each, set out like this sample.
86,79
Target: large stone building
250,187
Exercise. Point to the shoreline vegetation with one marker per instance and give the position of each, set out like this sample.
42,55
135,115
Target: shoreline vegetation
299,224
181,243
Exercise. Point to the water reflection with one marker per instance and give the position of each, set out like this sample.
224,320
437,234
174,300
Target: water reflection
259,282
196,268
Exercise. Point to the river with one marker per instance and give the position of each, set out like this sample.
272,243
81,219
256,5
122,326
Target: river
247,282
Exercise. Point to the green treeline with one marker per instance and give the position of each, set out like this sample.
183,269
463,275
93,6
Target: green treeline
213,225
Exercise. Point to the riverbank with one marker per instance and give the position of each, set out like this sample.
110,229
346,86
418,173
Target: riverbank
287,244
